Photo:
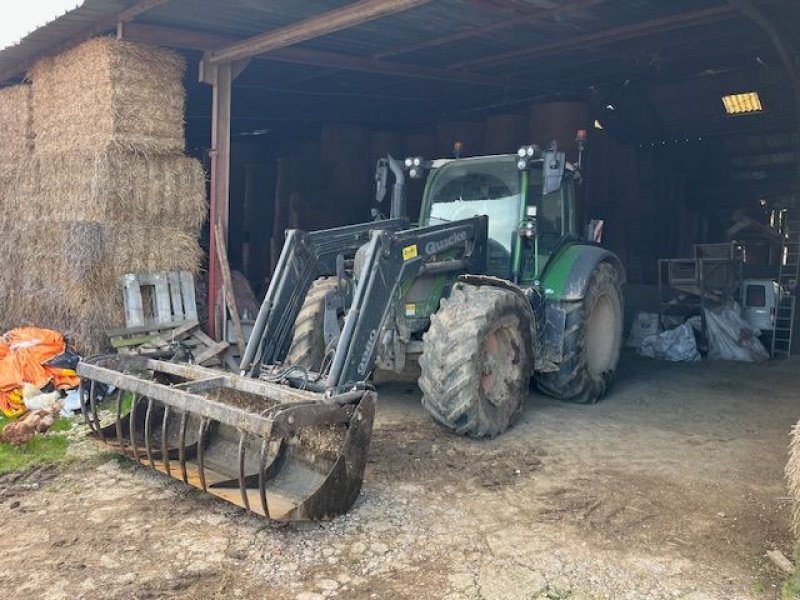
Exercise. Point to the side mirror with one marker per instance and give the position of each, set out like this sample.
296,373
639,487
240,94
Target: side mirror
553,169
381,179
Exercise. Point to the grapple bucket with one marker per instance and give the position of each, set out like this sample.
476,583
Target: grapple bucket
278,451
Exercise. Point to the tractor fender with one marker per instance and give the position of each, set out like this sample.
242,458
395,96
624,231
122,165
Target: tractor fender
566,275
506,285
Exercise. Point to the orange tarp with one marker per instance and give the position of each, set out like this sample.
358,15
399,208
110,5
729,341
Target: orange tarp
23,354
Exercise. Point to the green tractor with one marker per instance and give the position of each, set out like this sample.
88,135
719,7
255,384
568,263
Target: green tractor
493,286
544,301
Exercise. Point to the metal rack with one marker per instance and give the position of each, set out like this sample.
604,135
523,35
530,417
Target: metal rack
686,285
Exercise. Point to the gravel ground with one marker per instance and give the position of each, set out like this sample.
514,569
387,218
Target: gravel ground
670,488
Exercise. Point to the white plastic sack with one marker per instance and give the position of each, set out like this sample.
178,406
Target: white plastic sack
730,337
72,403
645,324
677,345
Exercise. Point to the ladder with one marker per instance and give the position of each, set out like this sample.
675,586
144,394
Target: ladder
788,279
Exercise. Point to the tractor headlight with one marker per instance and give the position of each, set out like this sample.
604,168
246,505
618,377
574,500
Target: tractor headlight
528,152
416,167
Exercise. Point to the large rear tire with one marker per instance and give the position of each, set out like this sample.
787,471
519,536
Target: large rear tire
308,341
476,362
592,342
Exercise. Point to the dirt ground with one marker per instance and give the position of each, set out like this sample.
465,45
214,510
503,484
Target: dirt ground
670,488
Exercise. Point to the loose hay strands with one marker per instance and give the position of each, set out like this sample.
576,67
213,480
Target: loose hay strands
16,127
107,93
792,472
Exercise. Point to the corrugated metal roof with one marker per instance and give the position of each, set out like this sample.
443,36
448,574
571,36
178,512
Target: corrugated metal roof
243,18
35,17
73,23
541,53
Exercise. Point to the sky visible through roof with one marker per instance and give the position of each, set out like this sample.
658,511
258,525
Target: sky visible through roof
19,19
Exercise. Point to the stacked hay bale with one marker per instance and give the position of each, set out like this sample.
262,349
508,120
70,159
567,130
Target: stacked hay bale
16,127
16,147
107,190
792,472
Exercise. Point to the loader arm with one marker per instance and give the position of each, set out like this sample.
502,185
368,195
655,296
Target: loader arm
394,257
305,256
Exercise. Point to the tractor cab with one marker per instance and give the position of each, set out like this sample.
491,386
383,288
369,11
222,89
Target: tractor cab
529,202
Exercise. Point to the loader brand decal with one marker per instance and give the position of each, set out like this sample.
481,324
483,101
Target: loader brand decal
453,239
410,252
362,366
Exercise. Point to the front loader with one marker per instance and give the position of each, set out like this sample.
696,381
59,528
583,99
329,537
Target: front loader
492,287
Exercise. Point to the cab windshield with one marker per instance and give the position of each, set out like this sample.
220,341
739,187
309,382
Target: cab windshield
491,187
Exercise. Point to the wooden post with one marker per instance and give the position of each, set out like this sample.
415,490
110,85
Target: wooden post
227,286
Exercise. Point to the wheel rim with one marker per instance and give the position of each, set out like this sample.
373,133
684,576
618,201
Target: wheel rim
500,358
601,336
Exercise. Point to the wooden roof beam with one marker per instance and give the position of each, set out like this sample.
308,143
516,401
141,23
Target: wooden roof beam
790,63
170,37
134,11
540,15
326,23
607,36
178,38
137,9
384,67
517,7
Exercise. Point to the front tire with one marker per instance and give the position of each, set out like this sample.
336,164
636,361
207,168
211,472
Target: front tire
308,341
476,363
592,342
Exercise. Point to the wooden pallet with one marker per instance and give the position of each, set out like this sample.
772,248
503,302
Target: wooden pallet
156,340
158,298
160,313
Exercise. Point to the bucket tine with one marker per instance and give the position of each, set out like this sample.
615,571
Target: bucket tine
93,404
262,479
182,446
201,454
84,403
148,430
164,450
132,422
120,441
242,485
271,449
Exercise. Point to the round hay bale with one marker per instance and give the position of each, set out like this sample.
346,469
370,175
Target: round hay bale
506,133
420,144
468,133
382,143
558,121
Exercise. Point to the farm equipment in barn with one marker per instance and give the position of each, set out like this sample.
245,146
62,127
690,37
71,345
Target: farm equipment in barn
493,286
